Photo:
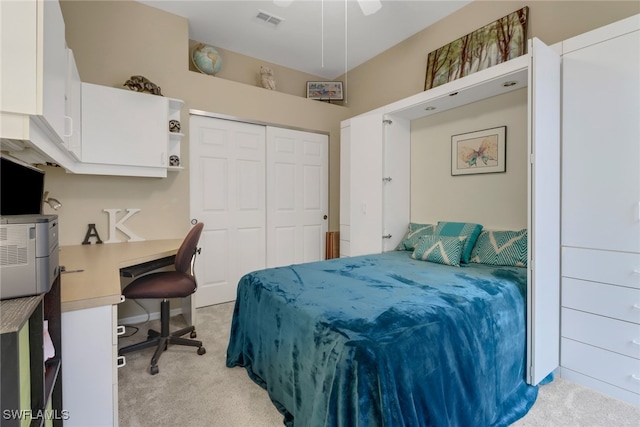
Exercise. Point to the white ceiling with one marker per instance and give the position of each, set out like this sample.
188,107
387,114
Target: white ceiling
313,35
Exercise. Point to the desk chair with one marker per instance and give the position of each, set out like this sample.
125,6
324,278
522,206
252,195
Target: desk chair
164,285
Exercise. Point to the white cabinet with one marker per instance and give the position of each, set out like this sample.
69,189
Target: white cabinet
375,196
600,344
90,380
33,78
125,132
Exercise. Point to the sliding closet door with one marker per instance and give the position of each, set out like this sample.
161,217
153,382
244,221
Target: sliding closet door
227,193
297,196
543,291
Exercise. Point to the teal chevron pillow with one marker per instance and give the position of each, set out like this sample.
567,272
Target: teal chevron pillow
440,249
415,231
501,248
454,229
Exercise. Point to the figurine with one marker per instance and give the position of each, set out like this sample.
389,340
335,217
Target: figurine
143,84
266,77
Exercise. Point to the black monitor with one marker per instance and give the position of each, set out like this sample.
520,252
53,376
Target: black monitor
22,187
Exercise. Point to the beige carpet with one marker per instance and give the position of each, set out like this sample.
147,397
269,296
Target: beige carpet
192,390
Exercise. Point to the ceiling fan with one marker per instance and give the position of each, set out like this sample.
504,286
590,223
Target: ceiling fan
368,7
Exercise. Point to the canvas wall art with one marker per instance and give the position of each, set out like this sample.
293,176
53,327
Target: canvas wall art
497,42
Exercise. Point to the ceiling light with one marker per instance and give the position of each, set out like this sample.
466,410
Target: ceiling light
510,83
369,7
430,108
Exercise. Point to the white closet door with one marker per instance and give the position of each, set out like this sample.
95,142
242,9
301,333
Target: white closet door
227,170
297,196
543,290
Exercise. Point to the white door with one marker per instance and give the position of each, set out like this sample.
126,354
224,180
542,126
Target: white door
543,290
297,196
227,194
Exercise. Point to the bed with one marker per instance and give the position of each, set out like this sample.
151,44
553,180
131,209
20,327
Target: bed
386,340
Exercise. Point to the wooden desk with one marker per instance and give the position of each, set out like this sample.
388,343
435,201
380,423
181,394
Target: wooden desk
89,320
99,282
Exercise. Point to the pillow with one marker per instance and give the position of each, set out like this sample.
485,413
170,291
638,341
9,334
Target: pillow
415,231
455,229
501,248
440,249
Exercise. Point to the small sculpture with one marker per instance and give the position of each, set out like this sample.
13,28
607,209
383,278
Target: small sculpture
143,84
174,126
266,77
174,160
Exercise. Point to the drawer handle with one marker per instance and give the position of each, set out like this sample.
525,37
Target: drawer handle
635,377
121,361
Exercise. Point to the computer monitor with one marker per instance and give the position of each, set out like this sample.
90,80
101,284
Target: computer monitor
22,187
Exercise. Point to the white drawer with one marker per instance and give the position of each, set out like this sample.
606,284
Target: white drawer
617,268
612,368
604,332
617,302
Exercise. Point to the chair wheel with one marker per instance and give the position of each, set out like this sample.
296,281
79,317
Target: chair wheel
154,369
193,334
201,351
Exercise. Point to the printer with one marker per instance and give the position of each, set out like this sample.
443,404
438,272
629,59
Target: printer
28,254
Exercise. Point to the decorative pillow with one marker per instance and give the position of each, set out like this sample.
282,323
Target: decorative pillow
455,229
501,248
414,232
440,249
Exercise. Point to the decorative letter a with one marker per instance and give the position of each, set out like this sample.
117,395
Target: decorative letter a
120,225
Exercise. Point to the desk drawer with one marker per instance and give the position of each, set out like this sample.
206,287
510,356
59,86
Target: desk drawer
617,302
606,333
612,368
616,268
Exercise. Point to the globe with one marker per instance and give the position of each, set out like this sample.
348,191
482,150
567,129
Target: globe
206,59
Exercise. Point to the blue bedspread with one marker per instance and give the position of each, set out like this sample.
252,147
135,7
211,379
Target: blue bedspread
385,340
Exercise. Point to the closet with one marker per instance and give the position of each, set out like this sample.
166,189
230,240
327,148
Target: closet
262,193
601,209
375,180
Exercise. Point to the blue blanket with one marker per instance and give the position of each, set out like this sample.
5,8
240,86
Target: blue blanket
385,340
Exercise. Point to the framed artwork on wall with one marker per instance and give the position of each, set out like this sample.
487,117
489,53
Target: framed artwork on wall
478,152
325,91
497,42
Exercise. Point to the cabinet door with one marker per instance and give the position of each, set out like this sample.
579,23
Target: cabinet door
365,177
601,145
54,67
543,290
122,127
87,366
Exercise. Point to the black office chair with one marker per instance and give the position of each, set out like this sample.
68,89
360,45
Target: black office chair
168,284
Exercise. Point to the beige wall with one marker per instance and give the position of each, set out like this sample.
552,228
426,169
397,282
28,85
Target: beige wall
399,72
113,40
498,200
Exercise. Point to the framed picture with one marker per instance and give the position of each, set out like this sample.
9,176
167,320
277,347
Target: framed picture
482,151
326,91
499,41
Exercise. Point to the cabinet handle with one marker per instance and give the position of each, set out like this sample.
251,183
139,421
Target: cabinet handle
121,361
636,342
68,120
636,306
635,377
120,330
636,271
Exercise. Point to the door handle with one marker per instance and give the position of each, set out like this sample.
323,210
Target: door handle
325,217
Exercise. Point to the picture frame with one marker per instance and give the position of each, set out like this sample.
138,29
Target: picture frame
479,152
497,42
325,91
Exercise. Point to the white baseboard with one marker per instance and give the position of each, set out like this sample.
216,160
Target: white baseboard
134,320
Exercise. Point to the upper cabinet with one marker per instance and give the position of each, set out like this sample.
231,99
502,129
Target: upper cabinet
48,116
34,67
123,132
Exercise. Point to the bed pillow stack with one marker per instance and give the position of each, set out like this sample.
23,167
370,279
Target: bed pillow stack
460,229
501,248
